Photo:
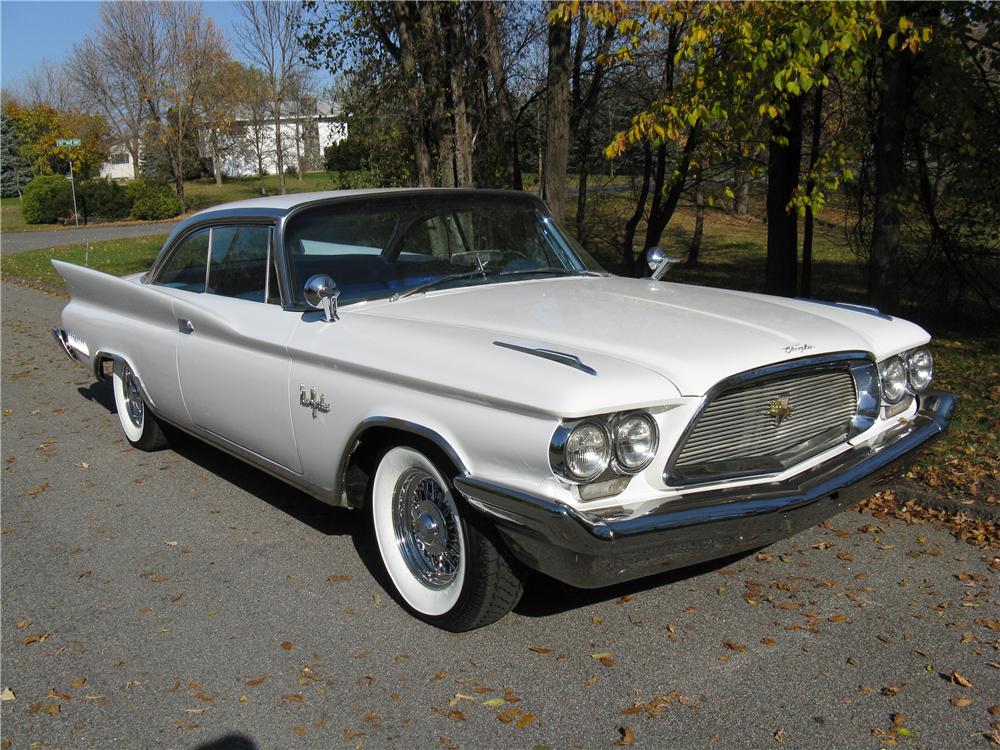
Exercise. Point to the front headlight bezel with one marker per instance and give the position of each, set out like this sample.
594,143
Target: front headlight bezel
903,362
615,467
623,466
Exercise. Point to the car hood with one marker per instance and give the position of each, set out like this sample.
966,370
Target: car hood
694,336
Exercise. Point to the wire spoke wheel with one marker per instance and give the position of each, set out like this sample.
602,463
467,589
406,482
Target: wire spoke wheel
425,523
133,397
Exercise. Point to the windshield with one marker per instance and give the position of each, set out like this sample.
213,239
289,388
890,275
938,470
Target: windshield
383,246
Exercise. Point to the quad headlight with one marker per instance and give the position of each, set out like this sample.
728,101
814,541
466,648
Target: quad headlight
602,447
920,367
588,451
904,374
893,374
635,438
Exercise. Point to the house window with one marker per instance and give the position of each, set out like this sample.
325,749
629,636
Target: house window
121,158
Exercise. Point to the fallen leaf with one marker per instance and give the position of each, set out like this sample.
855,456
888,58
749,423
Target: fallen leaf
605,657
176,598
306,672
37,490
27,641
205,697
591,681
893,689
53,693
494,702
837,618
525,721
287,645
845,556
51,709
440,676
737,647
299,730
22,624
78,683
293,697
338,579
33,709
509,715
767,641
959,679
84,574
82,465
995,710
961,702
626,737
7,694
540,649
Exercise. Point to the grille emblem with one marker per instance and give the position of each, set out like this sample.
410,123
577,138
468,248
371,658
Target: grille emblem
780,409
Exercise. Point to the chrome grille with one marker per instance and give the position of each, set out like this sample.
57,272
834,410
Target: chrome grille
767,425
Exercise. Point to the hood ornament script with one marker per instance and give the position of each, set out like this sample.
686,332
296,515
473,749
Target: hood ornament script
780,409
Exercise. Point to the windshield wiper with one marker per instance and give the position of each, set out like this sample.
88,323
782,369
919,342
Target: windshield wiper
561,271
433,283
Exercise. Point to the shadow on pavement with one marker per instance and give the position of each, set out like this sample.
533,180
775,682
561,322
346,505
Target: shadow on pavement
100,393
544,596
229,742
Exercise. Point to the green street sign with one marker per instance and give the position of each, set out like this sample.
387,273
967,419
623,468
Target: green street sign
68,142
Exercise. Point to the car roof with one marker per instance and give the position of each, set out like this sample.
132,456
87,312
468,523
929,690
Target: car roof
281,204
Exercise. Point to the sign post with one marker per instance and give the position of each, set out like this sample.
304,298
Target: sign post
71,143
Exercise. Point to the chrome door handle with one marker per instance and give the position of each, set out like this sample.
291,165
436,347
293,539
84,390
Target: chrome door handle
185,326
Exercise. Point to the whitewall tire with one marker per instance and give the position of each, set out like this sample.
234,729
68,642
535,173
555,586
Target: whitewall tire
142,429
447,569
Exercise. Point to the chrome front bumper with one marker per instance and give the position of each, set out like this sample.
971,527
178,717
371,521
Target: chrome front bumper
590,550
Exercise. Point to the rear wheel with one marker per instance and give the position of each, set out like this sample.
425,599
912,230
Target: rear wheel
141,428
446,565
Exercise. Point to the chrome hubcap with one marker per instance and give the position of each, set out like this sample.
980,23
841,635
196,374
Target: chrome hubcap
426,525
133,396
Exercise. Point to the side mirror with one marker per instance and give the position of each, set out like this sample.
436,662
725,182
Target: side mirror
321,292
659,262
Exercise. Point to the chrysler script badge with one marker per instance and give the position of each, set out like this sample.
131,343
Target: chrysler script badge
309,400
779,409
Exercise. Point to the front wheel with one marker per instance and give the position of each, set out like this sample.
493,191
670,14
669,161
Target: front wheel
443,563
141,428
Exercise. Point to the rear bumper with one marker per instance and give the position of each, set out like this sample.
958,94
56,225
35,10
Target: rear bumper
594,550
60,336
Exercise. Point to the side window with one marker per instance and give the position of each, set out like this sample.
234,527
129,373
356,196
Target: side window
239,258
185,269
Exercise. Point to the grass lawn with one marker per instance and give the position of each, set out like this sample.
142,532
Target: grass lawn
117,257
11,219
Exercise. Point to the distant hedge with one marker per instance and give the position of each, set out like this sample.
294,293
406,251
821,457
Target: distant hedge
47,199
103,199
152,201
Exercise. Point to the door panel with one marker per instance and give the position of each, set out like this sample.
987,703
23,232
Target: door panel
234,368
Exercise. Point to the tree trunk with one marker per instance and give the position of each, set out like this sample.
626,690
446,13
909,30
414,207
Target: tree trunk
134,151
216,161
784,155
414,99
557,135
456,85
298,144
581,197
279,155
663,209
805,286
699,222
741,205
628,242
505,108
890,126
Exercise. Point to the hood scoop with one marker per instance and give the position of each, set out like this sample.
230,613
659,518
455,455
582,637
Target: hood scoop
570,360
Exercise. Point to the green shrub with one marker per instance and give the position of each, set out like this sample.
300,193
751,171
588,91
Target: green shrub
47,199
104,199
151,201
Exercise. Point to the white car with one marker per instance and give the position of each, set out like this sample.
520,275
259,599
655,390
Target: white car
453,364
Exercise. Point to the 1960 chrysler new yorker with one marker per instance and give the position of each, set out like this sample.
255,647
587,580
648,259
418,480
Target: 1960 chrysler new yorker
457,367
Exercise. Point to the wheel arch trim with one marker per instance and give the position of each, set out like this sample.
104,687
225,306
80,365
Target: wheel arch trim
103,355
398,425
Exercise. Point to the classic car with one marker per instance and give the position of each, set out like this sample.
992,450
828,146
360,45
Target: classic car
453,364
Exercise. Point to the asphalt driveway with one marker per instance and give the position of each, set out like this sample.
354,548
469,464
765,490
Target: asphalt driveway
16,242
181,599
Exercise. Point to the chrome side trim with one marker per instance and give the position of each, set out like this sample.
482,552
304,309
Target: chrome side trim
570,360
596,549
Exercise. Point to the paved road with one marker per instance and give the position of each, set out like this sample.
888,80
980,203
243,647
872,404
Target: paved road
181,599
16,242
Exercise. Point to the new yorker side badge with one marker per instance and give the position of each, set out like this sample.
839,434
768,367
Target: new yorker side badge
309,400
